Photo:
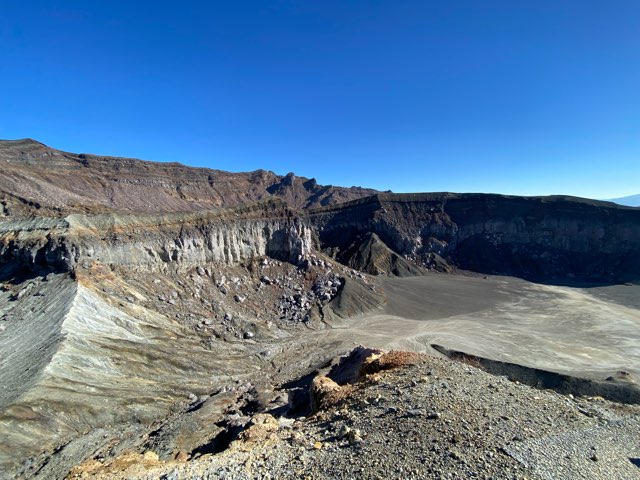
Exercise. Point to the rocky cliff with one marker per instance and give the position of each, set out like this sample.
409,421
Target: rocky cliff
110,322
542,238
156,242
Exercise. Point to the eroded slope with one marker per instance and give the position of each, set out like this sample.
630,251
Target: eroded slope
40,180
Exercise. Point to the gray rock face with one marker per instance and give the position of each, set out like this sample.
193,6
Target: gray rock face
178,241
90,349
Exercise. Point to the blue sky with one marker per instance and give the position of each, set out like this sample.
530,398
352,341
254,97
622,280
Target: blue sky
531,97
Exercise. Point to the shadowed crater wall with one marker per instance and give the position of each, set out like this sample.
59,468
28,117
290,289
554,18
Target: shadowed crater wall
553,238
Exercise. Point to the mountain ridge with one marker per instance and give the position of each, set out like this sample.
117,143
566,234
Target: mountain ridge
40,180
58,184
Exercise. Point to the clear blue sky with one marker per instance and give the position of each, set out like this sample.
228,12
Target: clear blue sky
522,97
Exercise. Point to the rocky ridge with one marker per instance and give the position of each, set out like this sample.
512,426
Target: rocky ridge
418,417
42,181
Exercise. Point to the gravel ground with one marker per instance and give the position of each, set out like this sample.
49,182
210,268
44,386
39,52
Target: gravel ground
608,451
436,419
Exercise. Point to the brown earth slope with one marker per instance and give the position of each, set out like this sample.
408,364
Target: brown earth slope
39,180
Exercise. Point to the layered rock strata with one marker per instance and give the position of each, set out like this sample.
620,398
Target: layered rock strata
541,238
156,242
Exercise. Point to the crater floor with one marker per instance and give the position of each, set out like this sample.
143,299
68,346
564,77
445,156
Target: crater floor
586,332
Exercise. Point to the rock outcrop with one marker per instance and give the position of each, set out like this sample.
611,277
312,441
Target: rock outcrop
369,254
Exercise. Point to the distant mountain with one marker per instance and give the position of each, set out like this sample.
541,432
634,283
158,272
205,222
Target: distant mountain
631,200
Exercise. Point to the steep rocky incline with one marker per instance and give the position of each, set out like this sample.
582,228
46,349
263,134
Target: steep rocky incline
541,238
75,360
39,180
151,242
